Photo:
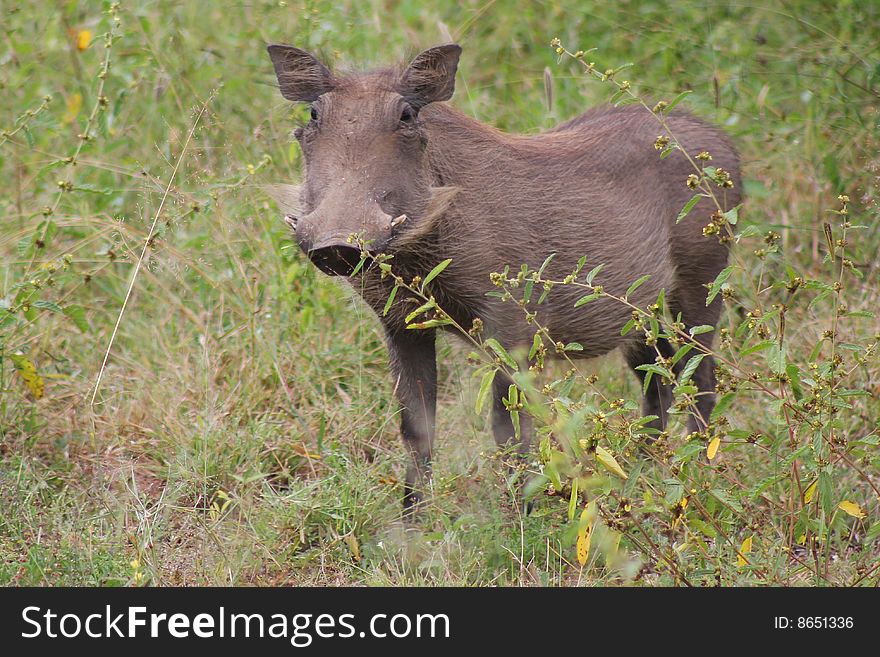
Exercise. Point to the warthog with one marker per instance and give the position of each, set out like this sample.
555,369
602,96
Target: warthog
387,160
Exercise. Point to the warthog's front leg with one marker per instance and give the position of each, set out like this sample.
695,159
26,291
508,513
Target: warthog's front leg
414,366
516,451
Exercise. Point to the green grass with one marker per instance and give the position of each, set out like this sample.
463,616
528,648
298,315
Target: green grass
244,430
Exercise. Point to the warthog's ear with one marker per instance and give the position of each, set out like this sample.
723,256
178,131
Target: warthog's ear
301,76
431,76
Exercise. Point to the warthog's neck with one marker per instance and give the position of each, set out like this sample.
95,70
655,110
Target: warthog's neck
459,147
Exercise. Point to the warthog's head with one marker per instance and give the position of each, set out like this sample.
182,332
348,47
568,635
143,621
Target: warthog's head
365,155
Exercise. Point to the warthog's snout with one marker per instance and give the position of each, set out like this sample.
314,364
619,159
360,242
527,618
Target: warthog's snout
335,257
334,235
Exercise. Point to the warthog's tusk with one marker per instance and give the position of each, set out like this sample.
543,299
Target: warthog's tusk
290,220
398,220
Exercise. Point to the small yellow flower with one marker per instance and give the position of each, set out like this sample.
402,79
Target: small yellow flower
661,142
83,39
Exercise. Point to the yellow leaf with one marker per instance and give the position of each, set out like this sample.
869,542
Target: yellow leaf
585,535
810,492
83,39
851,508
712,450
353,546
74,103
744,549
604,457
28,373
802,539
301,449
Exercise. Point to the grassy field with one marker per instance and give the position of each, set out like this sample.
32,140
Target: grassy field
243,429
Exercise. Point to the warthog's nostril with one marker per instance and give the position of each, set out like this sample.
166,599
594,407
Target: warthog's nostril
336,259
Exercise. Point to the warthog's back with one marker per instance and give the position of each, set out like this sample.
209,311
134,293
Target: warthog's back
594,186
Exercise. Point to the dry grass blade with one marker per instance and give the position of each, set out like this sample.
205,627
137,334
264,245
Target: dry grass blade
140,260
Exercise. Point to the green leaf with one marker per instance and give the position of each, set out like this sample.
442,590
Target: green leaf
681,353
826,491
636,285
650,369
725,498
776,358
390,301
536,344
551,468
436,272
425,307
51,306
723,275
86,187
534,486
573,346
732,215
867,314
690,367
629,100
757,347
545,263
501,352
24,245
723,404
586,299
794,377
675,101
606,459
485,389
592,274
573,500
685,211
78,315
703,527
748,231
431,323
674,491
359,266
617,96
702,328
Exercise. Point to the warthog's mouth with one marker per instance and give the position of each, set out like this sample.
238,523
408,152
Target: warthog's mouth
336,259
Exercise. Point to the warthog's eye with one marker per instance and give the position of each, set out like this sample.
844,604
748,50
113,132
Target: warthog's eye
313,113
407,115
